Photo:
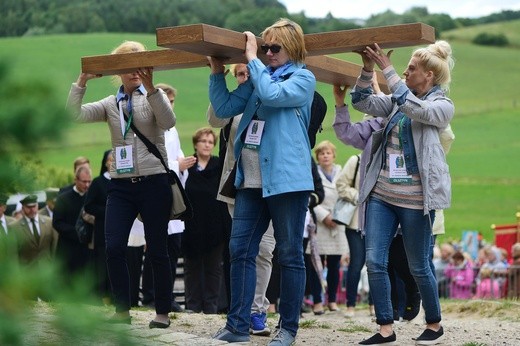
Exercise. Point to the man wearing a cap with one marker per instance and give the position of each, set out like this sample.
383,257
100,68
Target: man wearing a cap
51,193
4,219
36,238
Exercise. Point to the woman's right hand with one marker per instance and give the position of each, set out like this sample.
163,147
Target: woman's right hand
339,94
83,78
217,65
368,63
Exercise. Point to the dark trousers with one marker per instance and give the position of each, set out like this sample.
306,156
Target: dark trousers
398,270
332,264
174,252
134,258
151,198
203,277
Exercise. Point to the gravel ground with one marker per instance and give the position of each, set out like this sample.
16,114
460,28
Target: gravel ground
469,323
465,323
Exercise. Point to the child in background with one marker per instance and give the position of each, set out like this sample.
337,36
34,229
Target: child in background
488,288
460,275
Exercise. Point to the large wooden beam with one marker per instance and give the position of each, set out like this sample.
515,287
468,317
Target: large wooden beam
165,59
203,39
326,69
335,71
393,36
214,41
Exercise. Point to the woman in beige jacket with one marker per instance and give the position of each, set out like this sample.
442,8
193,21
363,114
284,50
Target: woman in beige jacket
332,242
139,184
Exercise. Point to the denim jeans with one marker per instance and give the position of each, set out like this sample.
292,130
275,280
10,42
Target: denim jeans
152,199
356,245
250,221
382,221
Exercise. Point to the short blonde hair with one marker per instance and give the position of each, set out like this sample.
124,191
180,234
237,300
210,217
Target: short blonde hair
324,145
168,89
290,36
202,132
515,250
233,68
127,47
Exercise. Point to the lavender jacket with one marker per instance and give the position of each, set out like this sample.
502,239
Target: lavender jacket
358,135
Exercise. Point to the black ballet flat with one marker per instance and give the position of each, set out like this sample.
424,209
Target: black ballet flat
155,324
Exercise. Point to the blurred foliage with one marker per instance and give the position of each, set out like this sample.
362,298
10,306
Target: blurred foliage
69,310
30,114
40,17
490,39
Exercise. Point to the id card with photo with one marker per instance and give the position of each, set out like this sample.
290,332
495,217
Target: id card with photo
254,134
398,174
124,159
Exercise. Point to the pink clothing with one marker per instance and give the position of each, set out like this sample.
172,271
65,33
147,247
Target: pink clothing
488,289
461,280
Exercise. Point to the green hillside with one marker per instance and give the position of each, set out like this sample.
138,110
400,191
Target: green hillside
510,29
484,160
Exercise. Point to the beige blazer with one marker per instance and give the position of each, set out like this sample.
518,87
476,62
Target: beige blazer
30,250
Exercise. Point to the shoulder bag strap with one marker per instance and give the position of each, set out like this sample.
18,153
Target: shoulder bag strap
355,173
152,148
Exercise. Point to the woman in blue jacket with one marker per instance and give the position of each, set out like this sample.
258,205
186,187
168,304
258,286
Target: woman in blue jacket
273,176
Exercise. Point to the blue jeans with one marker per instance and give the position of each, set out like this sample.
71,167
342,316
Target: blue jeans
382,221
250,221
356,245
152,198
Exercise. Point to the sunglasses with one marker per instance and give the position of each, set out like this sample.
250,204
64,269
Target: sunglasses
275,48
241,74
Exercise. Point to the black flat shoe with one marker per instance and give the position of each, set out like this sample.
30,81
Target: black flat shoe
319,312
378,339
155,324
115,319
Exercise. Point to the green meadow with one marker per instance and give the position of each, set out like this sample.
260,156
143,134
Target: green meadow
484,159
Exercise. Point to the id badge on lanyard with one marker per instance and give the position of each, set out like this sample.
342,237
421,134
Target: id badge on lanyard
124,154
398,173
254,134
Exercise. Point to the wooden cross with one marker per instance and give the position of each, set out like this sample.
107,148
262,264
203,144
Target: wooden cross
188,45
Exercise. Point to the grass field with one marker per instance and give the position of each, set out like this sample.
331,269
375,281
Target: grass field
484,160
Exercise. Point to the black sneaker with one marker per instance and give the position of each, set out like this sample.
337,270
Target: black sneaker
378,339
413,305
430,337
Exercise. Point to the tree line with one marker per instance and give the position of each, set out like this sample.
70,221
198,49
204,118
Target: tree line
44,17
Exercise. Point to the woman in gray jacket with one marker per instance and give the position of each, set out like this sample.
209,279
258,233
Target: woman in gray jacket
139,183
407,177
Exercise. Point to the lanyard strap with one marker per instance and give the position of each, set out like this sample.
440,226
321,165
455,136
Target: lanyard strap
401,124
125,128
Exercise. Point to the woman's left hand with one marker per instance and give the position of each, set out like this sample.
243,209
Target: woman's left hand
146,75
377,55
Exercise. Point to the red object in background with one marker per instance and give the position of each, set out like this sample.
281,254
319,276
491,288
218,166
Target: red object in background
506,236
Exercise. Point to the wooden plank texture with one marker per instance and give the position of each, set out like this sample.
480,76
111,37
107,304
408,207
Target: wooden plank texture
165,59
210,40
393,36
203,39
335,71
326,69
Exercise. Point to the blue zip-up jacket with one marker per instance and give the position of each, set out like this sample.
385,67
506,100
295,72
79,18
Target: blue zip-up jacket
284,105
